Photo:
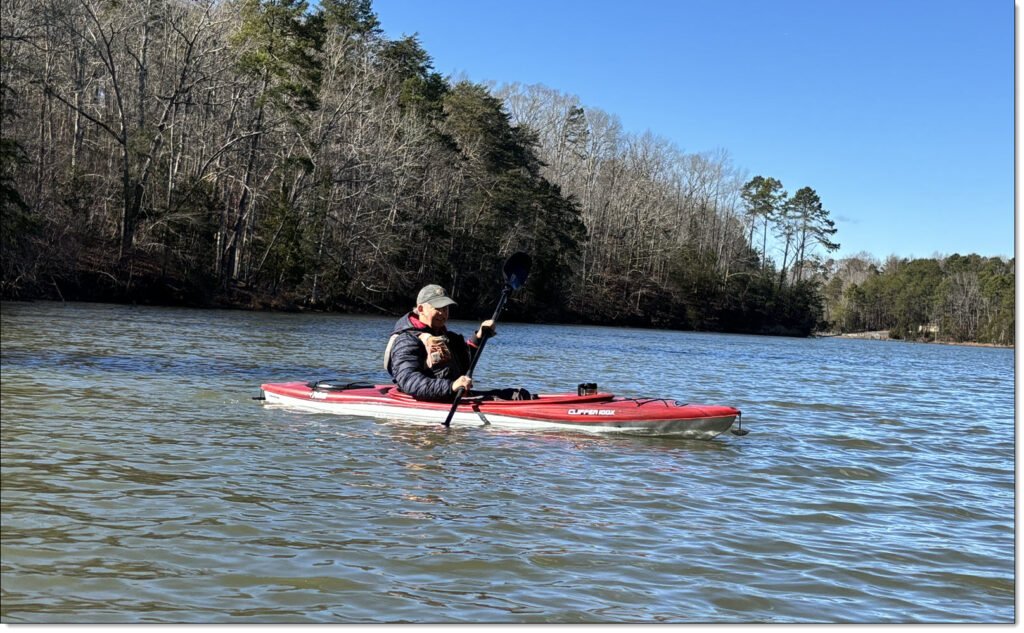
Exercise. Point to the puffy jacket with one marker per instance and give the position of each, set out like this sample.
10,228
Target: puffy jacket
407,362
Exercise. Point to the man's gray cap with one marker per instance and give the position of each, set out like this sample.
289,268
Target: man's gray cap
434,295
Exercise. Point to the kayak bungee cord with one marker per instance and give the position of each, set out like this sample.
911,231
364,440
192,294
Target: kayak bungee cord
337,385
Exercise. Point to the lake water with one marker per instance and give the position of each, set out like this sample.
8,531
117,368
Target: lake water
143,484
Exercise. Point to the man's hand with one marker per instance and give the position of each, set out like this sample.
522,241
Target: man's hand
465,382
486,330
437,350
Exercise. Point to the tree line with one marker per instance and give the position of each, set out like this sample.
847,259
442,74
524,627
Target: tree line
957,298
265,153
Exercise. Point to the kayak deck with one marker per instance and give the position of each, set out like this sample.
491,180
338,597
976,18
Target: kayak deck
598,412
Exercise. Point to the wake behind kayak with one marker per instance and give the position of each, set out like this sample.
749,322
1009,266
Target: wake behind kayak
596,412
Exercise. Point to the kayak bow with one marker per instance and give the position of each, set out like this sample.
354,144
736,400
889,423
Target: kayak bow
594,412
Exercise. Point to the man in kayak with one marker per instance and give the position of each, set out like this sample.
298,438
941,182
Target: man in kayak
426,359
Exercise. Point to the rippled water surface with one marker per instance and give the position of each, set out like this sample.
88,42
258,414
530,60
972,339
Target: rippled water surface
142,483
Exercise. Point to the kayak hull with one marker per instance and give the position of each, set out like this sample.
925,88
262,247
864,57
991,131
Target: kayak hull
594,413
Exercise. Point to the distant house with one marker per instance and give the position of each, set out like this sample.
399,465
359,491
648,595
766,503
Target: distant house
931,328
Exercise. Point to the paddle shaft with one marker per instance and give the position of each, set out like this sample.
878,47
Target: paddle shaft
476,355
506,291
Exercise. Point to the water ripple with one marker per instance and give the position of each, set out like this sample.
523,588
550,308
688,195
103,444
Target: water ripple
143,485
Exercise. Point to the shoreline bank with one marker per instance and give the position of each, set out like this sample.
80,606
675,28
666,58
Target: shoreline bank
883,335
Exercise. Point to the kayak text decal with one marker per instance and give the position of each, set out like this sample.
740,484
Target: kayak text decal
318,395
591,412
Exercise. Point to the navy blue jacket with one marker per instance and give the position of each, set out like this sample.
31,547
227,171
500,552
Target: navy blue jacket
407,363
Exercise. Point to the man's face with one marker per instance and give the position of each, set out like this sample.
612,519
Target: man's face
434,318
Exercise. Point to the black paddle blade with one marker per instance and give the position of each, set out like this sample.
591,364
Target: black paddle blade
516,269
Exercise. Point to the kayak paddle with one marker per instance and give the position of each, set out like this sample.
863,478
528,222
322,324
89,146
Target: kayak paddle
516,268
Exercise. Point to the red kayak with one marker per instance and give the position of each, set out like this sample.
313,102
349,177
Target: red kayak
592,412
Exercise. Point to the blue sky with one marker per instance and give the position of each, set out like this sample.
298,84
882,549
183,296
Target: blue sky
899,113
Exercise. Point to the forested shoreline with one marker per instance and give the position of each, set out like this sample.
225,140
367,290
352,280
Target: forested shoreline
262,154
